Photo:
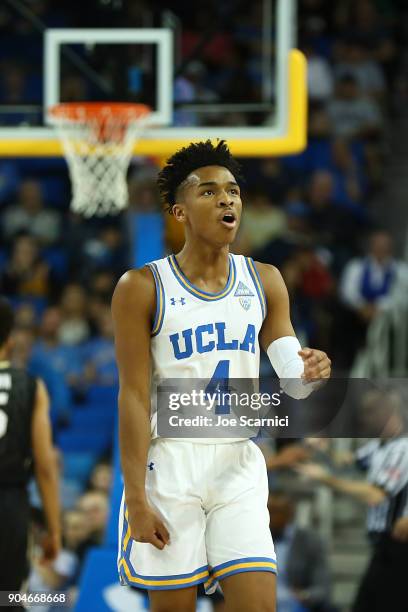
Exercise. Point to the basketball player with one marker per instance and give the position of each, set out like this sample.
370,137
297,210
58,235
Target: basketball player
25,442
195,511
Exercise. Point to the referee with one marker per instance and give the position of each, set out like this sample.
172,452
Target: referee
25,446
384,585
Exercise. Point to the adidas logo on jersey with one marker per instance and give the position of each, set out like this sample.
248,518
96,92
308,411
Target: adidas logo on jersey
243,291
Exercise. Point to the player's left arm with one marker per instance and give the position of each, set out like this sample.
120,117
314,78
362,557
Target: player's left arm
278,338
400,529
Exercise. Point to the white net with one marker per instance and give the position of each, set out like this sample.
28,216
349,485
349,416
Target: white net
98,147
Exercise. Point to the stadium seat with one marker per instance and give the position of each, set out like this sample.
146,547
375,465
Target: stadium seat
100,408
99,588
78,466
77,441
102,395
92,419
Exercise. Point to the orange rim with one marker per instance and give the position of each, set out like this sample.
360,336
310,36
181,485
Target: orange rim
98,111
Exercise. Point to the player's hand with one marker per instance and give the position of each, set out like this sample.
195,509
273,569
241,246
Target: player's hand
400,529
51,546
368,312
313,471
321,445
291,455
147,527
317,365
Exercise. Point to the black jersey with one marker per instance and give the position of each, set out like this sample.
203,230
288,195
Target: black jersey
17,397
387,464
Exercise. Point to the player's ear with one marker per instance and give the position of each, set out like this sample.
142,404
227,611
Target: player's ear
179,213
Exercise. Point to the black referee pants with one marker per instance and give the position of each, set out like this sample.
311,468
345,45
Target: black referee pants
14,523
384,586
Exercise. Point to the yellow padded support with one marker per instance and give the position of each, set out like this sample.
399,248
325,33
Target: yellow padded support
294,141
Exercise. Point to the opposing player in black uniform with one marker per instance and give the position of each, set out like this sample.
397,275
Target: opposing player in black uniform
25,446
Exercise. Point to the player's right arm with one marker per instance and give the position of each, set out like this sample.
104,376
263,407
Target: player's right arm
365,492
45,469
133,307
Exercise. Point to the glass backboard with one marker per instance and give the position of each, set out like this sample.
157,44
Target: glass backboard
240,78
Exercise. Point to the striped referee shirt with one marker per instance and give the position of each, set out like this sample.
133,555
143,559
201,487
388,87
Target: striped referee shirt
387,465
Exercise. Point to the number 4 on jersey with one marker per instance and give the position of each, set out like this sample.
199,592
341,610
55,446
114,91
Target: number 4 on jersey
219,384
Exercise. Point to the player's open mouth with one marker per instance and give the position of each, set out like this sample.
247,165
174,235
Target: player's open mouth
229,220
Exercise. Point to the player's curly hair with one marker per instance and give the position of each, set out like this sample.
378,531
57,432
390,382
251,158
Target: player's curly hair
196,155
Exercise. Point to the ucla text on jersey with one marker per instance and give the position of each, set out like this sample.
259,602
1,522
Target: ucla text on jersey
209,337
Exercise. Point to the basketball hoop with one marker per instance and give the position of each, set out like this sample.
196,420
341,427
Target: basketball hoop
98,140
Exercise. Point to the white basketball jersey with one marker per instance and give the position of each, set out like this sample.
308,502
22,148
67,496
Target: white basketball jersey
204,335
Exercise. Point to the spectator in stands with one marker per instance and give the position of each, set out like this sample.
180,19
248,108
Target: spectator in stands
311,285
355,60
184,92
23,341
304,576
366,26
73,88
320,82
75,531
76,540
334,227
108,249
376,281
95,506
348,181
101,477
102,285
25,317
22,357
369,285
29,215
269,176
319,127
54,577
197,74
74,328
26,274
65,358
316,16
143,194
13,89
352,115
191,87
261,223
99,353
297,233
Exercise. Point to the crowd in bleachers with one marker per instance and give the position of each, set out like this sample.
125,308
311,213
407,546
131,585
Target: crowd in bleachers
84,494
307,214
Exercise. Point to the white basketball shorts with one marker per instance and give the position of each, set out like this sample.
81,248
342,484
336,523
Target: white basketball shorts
213,501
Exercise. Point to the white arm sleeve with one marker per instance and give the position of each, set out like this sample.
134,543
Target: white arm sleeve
289,366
